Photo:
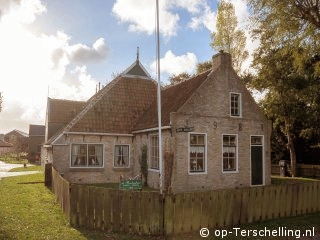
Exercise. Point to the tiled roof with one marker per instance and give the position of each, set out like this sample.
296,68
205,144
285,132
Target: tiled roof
127,103
17,133
172,98
62,111
36,130
117,107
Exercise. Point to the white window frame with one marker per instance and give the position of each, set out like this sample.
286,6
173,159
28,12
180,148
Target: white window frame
239,103
114,156
236,152
263,160
87,165
151,154
205,154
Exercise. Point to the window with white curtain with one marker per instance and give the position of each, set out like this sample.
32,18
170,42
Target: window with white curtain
87,155
121,156
154,152
197,153
229,153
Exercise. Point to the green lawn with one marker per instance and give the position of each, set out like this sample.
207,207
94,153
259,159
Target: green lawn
28,211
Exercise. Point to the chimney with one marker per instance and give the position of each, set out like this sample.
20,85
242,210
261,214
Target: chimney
222,58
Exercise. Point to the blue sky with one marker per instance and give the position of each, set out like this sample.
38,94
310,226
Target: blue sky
64,48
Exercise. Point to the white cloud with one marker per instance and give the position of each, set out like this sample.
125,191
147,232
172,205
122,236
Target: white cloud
24,11
174,65
207,18
80,53
140,14
30,64
192,6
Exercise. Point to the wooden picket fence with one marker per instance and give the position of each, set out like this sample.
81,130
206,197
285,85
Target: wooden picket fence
140,212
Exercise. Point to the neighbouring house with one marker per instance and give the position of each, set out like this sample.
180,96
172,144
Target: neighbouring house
19,141
214,135
59,113
5,147
36,140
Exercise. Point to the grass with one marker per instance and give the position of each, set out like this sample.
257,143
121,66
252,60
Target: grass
29,211
28,168
277,180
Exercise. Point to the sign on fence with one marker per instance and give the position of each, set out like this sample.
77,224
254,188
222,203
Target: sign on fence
131,184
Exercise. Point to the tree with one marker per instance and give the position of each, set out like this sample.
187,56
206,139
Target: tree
175,79
293,21
287,65
228,38
204,66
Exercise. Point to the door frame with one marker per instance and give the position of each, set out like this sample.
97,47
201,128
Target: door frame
263,159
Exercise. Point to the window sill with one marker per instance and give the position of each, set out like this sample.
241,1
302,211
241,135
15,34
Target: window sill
197,173
86,169
121,169
227,172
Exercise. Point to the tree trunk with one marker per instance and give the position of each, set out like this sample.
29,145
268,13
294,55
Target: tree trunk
292,151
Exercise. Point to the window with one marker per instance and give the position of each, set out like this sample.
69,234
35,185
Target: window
121,156
154,152
235,104
86,155
197,153
229,153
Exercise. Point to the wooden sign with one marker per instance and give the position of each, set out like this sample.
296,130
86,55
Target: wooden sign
133,184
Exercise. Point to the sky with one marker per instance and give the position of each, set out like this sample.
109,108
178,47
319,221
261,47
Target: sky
65,48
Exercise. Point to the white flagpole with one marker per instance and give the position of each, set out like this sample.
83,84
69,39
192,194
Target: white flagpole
159,99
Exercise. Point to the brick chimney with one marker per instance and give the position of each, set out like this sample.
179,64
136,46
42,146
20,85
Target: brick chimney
222,58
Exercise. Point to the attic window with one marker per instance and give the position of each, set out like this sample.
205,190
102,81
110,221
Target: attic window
235,104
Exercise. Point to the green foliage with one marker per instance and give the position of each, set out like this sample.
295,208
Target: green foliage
175,79
228,38
144,163
287,63
204,66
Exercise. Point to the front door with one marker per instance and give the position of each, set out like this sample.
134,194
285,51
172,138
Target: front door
256,160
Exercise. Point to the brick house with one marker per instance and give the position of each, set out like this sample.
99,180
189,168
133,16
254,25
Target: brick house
36,140
19,141
5,147
213,133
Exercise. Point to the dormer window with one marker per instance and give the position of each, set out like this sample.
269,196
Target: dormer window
235,104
